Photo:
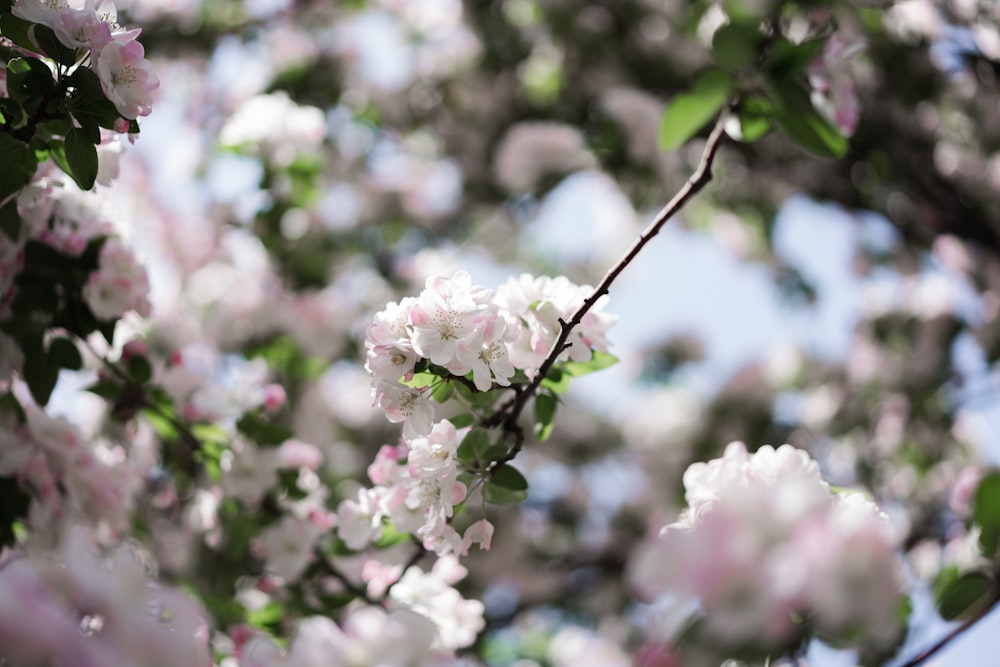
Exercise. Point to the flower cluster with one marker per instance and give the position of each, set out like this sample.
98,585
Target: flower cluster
766,548
467,329
126,77
416,488
77,608
119,284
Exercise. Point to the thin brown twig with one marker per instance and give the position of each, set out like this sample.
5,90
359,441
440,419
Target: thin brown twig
695,183
930,652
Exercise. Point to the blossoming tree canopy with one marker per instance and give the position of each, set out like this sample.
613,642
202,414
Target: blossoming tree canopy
360,355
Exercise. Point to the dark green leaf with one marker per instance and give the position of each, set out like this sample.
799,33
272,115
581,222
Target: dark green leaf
963,594
510,478
50,45
109,391
10,220
545,412
786,60
796,117
498,495
474,445
263,432
986,513
65,354
13,113
14,502
41,376
689,112
81,156
462,420
734,46
29,81
494,453
19,165
140,369
88,102
16,30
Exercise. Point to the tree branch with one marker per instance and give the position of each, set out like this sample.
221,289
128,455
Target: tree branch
697,181
951,636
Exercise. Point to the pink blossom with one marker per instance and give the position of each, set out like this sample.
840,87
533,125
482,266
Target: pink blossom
833,87
481,533
448,311
119,284
82,28
127,78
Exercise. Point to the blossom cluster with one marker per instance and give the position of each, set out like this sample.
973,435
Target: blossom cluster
416,488
766,547
91,26
75,607
423,622
469,329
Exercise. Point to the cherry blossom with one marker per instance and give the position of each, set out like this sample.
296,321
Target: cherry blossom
127,78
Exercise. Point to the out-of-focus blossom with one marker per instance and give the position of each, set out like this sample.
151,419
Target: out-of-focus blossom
832,83
530,151
765,540
119,284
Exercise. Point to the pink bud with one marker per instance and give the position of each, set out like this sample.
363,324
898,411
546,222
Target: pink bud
134,348
274,397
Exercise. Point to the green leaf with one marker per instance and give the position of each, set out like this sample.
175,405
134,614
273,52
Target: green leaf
16,30
88,102
754,115
40,375
81,156
557,381
494,453
263,432
598,362
545,412
13,113
106,389
65,354
963,594
786,60
10,220
14,503
462,420
751,13
734,46
50,45
986,513
510,478
140,369
498,495
267,617
443,391
19,165
419,380
474,445
689,112
29,81
390,537
796,116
